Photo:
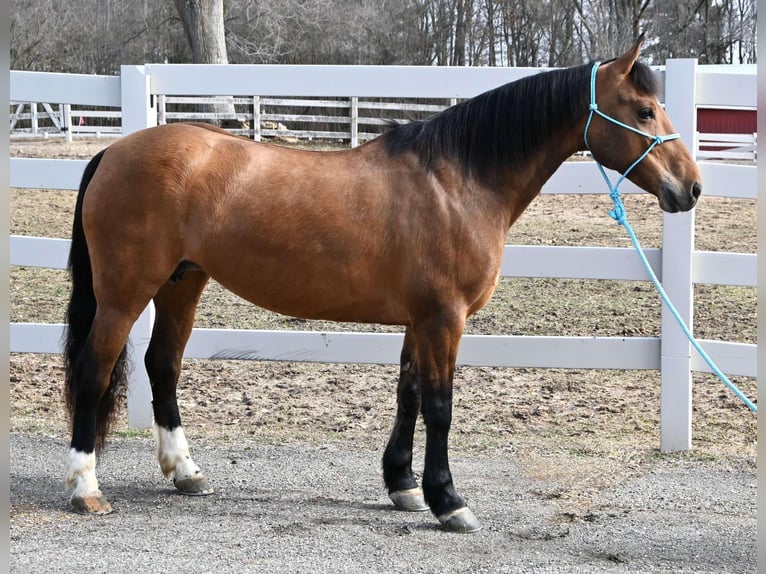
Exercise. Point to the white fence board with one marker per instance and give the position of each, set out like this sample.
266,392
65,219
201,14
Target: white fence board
560,352
726,90
330,81
721,268
36,173
36,338
82,89
327,347
745,152
384,348
584,177
620,263
733,359
736,359
39,252
98,131
728,180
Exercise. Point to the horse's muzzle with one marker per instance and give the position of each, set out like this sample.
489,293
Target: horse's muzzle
673,199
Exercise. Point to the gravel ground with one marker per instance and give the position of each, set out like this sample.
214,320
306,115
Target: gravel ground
323,509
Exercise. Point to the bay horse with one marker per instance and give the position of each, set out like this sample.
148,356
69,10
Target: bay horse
407,229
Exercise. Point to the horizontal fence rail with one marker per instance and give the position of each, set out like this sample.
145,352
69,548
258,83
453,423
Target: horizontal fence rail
348,96
727,146
383,349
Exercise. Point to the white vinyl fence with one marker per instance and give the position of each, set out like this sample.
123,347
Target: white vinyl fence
137,90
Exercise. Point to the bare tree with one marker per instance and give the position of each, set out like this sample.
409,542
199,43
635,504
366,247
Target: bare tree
558,27
204,26
97,37
491,36
86,37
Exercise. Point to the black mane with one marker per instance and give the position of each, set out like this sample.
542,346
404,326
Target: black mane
503,126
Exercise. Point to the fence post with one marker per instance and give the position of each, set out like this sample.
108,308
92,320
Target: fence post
138,105
161,103
354,121
677,251
257,118
33,112
66,121
755,147
138,112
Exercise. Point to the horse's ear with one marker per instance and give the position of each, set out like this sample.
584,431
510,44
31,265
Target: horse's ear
624,64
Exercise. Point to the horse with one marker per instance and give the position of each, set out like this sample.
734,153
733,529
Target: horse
407,229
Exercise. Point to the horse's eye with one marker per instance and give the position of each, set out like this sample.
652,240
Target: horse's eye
646,114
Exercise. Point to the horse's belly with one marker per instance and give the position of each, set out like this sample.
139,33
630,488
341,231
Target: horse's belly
330,294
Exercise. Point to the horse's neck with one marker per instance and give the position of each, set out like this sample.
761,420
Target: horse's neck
520,185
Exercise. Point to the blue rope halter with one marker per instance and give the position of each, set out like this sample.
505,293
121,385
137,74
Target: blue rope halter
619,215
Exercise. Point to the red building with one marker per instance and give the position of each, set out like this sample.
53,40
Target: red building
726,121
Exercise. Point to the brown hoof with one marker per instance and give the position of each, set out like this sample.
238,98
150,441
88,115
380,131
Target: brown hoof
93,505
193,486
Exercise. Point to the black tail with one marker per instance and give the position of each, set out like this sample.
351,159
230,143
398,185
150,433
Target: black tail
80,314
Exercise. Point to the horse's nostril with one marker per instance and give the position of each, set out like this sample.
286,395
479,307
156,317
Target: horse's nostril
696,190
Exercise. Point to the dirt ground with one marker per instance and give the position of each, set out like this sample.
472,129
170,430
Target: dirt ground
588,430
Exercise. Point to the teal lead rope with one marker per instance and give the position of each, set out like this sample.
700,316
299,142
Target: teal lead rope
619,215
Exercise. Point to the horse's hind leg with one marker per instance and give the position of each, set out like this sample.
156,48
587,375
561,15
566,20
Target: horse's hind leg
175,305
402,486
95,390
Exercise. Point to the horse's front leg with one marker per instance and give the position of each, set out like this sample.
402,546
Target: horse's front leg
437,343
175,460
402,485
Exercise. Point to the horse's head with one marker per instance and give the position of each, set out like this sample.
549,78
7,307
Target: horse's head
627,92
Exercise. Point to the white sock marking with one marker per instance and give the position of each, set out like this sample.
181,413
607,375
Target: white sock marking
173,454
81,474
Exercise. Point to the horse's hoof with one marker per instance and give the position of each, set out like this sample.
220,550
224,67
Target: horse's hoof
410,500
461,520
193,486
93,505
